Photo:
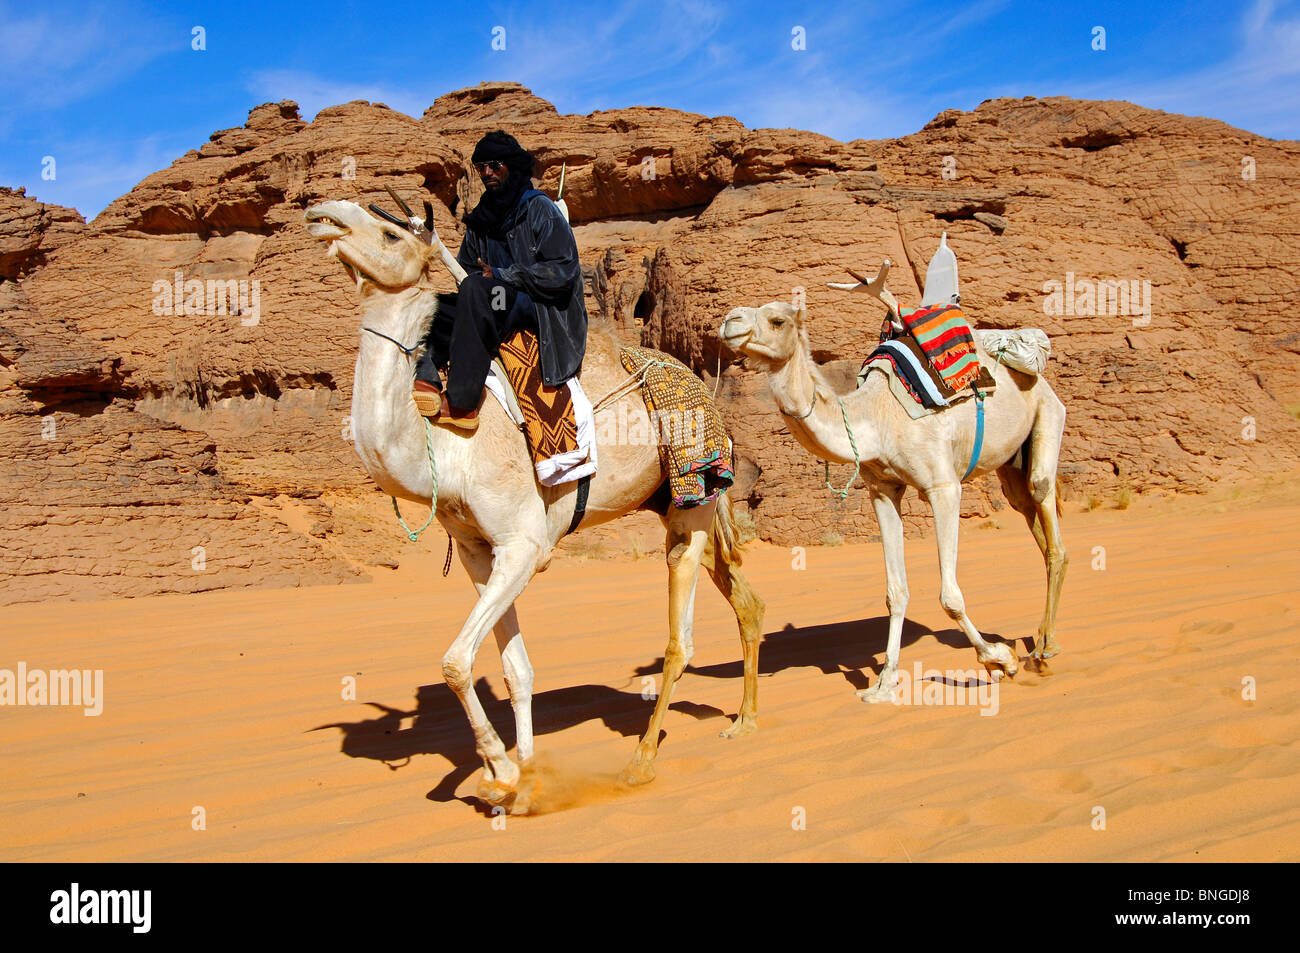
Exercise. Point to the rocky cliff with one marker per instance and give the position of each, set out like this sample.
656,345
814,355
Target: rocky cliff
154,441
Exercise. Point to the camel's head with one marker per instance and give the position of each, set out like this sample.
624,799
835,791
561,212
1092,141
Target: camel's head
370,248
771,334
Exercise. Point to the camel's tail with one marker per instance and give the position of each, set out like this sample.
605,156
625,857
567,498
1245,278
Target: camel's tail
724,532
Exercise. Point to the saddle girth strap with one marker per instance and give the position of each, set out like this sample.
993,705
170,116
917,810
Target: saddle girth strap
580,506
979,433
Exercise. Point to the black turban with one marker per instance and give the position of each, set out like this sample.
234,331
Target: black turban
497,203
504,148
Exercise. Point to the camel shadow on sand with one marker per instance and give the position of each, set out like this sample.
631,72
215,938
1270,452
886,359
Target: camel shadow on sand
437,723
849,649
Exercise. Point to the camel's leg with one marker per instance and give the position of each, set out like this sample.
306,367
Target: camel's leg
512,568
722,562
945,500
518,670
1044,453
688,534
1057,560
887,500
1044,522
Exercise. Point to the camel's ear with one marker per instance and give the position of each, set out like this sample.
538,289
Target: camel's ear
799,312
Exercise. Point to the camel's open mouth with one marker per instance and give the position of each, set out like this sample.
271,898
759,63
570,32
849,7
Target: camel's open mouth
323,226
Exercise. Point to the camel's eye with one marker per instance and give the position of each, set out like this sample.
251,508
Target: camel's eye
390,236
776,322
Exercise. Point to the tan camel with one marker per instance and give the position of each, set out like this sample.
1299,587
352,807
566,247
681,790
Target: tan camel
931,454
505,524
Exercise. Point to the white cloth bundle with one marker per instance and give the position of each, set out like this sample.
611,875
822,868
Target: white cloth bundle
1024,349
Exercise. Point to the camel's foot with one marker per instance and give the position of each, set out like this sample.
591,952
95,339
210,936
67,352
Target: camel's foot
1038,666
1046,647
743,725
637,772
882,691
1000,661
498,789
526,793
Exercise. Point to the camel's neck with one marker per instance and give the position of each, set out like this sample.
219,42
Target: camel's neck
799,385
387,430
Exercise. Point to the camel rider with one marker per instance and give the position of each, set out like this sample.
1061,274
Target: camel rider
522,273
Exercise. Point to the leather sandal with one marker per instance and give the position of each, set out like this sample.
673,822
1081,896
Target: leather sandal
454,417
428,399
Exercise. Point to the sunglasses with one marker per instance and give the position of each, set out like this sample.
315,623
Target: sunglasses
492,165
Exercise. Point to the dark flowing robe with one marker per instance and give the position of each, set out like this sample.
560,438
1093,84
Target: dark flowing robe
534,251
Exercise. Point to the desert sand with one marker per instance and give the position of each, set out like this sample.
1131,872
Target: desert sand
231,701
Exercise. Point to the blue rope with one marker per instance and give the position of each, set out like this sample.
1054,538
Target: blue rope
979,434
414,535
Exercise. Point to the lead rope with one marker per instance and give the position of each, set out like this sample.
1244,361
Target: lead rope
629,384
414,535
857,460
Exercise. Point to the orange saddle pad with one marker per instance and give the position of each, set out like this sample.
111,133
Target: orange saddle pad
550,424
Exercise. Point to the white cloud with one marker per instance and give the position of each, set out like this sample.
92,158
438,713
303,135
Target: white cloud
49,59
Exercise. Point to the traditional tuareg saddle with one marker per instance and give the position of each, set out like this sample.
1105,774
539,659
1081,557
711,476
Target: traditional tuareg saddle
693,444
557,422
932,360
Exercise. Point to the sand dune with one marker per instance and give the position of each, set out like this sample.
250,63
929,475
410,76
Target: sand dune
232,702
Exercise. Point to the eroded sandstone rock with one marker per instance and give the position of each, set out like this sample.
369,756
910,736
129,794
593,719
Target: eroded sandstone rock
178,427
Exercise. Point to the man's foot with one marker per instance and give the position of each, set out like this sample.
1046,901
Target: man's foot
428,398
455,417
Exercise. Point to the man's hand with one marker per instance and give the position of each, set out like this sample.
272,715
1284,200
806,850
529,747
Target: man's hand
487,269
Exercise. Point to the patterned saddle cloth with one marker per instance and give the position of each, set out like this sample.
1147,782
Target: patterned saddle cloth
932,362
693,444
555,419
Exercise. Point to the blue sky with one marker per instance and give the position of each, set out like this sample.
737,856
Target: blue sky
115,91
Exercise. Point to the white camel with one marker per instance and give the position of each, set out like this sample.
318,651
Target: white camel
1023,428
505,524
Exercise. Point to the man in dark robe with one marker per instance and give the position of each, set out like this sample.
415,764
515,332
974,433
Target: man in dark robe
523,273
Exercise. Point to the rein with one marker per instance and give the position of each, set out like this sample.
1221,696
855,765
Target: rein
857,459
408,351
414,534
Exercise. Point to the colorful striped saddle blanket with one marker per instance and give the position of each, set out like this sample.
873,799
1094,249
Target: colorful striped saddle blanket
693,444
920,384
944,336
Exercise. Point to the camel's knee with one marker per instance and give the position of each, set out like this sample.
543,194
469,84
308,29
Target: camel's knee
686,555
750,609
896,599
1041,485
456,672
677,657
952,601
519,679
1058,560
